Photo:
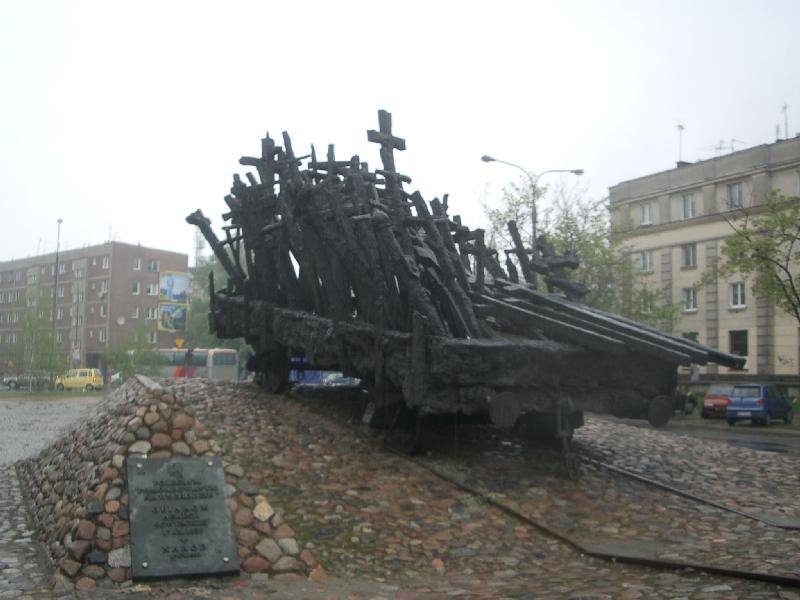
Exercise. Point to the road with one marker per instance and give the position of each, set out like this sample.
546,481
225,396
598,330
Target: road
775,438
29,423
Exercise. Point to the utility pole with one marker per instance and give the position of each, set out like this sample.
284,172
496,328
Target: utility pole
55,300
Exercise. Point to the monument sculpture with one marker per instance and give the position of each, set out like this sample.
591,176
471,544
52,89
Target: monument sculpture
342,264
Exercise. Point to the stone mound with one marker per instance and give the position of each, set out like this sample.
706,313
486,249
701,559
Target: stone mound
79,500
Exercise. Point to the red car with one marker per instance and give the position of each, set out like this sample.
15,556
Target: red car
716,400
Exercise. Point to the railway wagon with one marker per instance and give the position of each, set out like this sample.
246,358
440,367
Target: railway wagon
343,265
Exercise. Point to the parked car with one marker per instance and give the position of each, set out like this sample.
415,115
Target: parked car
716,400
336,378
27,381
80,379
758,403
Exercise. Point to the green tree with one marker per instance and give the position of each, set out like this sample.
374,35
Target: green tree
765,247
37,352
198,334
134,356
574,223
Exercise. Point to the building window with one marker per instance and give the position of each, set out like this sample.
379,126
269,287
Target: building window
62,268
2,295
151,312
105,262
101,335
647,218
735,195
80,297
152,289
152,337
61,291
689,255
737,295
59,337
17,275
646,261
59,314
102,310
79,273
738,342
689,299
135,288
80,321
135,312
152,265
693,336
104,286
137,264
15,317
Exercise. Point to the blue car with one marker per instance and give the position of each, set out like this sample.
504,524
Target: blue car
758,403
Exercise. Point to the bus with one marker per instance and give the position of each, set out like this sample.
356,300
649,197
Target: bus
221,364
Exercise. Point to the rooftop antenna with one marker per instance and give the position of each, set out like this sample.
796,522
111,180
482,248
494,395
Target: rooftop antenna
719,147
785,111
735,141
777,132
680,127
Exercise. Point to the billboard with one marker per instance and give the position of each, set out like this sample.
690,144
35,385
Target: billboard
172,316
173,286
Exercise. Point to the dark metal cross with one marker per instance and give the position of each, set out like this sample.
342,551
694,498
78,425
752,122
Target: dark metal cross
387,141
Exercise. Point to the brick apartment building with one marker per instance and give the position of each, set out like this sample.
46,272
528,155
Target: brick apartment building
106,293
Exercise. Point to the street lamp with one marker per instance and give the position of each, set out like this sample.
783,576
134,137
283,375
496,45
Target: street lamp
55,298
533,178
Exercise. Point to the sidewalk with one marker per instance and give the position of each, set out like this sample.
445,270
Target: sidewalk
22,574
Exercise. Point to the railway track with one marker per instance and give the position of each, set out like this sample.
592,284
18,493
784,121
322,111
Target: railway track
783,524
611,512
640,547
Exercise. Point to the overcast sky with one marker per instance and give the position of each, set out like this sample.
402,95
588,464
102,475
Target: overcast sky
121,118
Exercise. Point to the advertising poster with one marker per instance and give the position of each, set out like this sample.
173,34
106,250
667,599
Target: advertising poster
172,316
173,286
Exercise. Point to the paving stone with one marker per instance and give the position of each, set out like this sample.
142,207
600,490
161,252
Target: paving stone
373,516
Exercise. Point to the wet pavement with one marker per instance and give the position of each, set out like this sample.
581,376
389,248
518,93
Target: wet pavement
775,438
26,426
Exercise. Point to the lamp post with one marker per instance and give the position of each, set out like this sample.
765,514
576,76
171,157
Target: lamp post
533,178
55,298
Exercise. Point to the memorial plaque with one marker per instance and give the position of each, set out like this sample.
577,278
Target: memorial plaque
179,517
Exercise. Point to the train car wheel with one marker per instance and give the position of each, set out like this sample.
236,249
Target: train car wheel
404,435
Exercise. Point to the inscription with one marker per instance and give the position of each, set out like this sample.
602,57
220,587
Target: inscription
180,522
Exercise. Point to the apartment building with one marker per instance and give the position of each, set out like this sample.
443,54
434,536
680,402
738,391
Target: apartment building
674,224
104,294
